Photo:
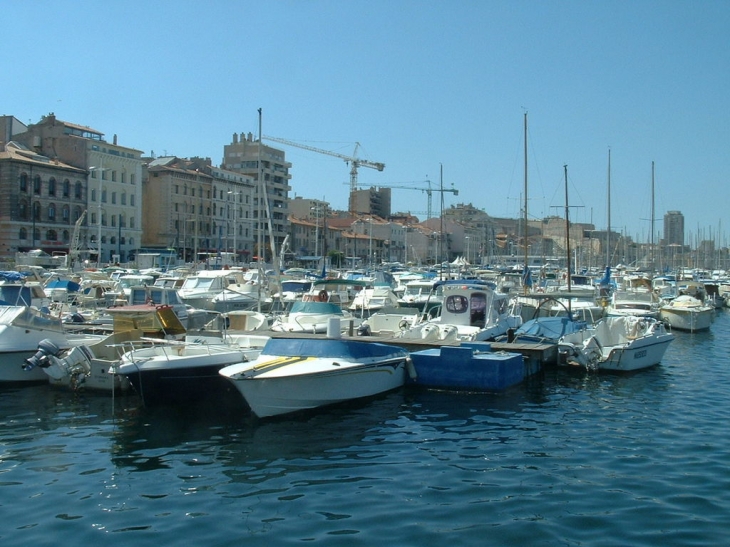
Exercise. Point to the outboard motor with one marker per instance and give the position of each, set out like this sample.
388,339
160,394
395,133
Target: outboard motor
363,330
46,347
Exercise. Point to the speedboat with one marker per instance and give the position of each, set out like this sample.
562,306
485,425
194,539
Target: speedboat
178,372
687,313
621,343
471,311
22,328
298,374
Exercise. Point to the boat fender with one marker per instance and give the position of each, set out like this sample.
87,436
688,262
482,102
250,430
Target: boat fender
411,369
323,296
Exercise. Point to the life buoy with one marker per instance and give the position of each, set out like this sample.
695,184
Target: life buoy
323,296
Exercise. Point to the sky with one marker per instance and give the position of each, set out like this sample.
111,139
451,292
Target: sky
436,90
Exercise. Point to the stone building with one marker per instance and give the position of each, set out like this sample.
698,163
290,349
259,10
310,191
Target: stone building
40,202
113,188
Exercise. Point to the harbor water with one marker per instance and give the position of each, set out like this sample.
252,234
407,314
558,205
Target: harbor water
567,459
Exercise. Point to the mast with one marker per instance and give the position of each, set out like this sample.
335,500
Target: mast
653,260
441,234
567,236
524,221
608,226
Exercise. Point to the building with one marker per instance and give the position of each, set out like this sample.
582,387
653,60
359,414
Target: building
373,201
200,210
41,200
113,188
674,228
268,168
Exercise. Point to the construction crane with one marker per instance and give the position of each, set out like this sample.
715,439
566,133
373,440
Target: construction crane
429,192
353,160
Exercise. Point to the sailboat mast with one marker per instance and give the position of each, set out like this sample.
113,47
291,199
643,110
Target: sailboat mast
608,226
524,222
653,261
567,226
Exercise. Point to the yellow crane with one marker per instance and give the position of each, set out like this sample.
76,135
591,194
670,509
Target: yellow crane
353,160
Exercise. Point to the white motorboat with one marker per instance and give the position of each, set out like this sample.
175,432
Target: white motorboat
471,311
687,313
298,374
640,303
179,372
370,300
199,290
621,343
22,328
310,317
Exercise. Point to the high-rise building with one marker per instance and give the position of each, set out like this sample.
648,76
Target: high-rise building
243,156
674,228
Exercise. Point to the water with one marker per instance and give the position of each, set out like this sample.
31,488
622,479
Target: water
568,459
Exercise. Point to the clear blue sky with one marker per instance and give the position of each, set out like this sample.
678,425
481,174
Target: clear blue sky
418,84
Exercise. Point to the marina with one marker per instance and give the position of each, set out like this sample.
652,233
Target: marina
566,458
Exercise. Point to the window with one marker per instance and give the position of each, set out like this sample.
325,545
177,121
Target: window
51,186
131,222
52,212
23,182
93,194
66,213
93,219
114,198
78,190
131,179
478,309
131,200
114,222
456,303
124,198
66,188
23,233
36,210
103,196
65,236
23,210
114,176
37,185
51,235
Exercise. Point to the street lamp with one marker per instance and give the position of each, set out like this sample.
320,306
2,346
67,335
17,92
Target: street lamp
467,250
370,243
98,199
316,210
235,225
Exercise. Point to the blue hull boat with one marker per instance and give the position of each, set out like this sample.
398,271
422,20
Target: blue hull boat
469,366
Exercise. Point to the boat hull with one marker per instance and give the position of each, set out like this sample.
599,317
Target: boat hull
315,373
170,379
687,320
470,366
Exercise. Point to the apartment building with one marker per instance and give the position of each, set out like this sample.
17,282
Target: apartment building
199,210
112,188
268,168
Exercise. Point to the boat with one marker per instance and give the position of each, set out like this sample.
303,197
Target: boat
89,365
472,311
86,366
200,289
371,300
420,293
294,374
471,366
621,343
687,313
640,303
22,328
